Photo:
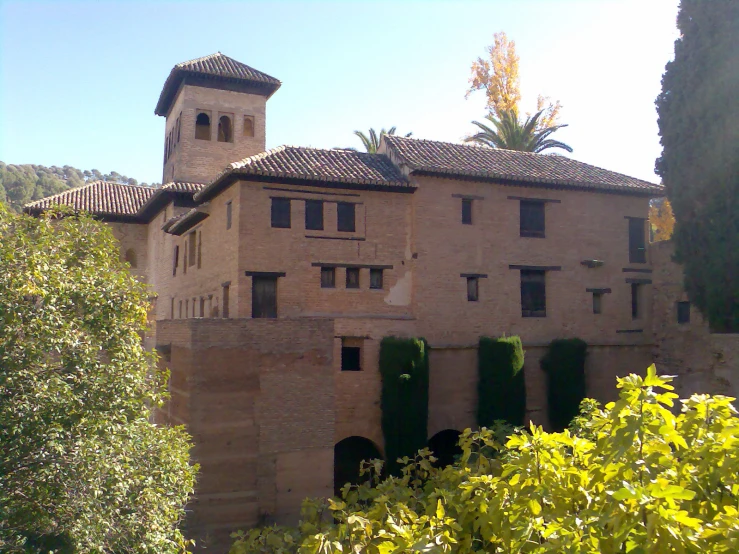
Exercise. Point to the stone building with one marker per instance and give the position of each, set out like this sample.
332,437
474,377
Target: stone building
277,273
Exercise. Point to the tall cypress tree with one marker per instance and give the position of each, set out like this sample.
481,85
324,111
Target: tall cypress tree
699,128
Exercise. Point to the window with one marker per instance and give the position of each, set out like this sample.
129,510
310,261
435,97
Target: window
467,211
226,290
192,240
202,126
637,245
248,126
229,206
314,215
202,306
200,249
131,257
345,213
375,278
351,354
472,289
180,316
683,312
281,213
187,309
533,293
175,260
597,302
264,297
171,308
635,304
532,218
352,277
225,129
328,277
178,127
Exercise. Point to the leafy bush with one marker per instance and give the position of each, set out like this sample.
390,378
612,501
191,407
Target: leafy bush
82,468
501,389
641,480
564,364
404,367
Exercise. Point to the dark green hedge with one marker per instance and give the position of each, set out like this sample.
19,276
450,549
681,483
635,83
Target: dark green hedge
404,367
501,389
564,364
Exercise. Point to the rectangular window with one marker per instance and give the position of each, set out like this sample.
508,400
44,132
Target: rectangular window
180,316
375,278
637,242
597,302
472,289
345,213
226,294
281,213
229,206
175,260
264,297
171,309
192,246
202,306
532,218
187,309
314,215
467,211
352,277
533,293
683,312
351,354
328,277
635,304
200,249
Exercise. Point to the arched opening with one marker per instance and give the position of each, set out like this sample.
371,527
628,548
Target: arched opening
130,257
225,132
202,126
445,446
348,454
248,126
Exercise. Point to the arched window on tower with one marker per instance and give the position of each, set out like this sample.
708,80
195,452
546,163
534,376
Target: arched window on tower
130,257
202,126
225,129
248,126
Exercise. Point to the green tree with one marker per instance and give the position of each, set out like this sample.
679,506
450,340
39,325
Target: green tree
637,478
371,142
510,133
82,467
699,129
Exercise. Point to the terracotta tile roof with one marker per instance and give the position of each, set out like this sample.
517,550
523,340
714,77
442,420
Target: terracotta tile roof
464,160
183,187
316,164
215,67
99,198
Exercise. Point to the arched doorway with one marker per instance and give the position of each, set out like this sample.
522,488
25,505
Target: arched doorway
348,454
445,447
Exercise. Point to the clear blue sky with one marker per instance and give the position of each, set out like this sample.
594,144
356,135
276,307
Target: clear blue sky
79,80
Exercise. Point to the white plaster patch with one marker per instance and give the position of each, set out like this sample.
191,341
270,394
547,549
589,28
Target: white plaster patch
400,292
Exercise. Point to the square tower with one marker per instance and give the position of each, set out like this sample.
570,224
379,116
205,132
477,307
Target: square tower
216,114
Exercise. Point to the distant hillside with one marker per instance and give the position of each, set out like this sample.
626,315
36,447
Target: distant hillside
20,184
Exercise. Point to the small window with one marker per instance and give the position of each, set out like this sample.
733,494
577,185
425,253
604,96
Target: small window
532,218
351,354
202,126
635,301
264,297
314,215
192,240
345,213
131,257
180,316
328,277
229,206
533,293
467,211
683,312
226,293
637,241
200,249
376,278
352,277
597,302
472,289
175,260
171,308
202,306
281,213
187,309
178,127
248,126
225,129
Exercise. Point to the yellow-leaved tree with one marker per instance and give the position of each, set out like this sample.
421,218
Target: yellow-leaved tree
661,219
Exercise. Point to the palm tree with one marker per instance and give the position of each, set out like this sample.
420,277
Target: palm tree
509,133
372,142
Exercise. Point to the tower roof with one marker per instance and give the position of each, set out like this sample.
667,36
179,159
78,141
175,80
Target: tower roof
217,71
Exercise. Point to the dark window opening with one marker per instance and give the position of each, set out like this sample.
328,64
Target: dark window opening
180,316
175,260
187,309
248,126
683,312
229,209
352,277
314,215
178,126
264,297
351,355
597,302
171,309
472,289
281,213
202,126
328,277
467,211
635,304
131,257
375,278
200,249
192,239
533,293
348,456
532,219
226,293
202,306
445,447
345,213
637,241
225,130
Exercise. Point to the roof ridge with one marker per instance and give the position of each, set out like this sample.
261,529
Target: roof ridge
202,58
